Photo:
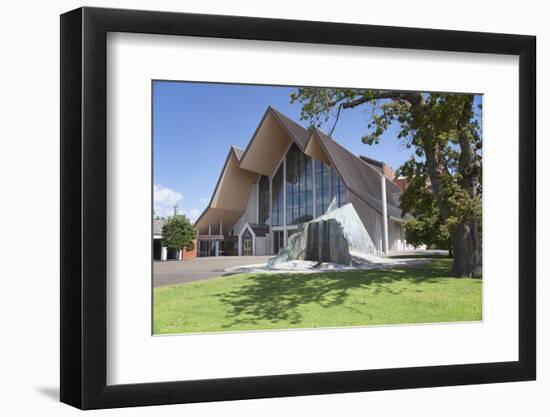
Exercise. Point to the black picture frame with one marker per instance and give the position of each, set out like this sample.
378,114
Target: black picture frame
84,207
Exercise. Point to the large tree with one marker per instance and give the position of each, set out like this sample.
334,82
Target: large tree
178,233
445,133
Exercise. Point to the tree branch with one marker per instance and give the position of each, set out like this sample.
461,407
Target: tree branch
412,98
336,121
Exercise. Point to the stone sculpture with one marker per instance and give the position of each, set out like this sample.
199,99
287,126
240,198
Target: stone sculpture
332,237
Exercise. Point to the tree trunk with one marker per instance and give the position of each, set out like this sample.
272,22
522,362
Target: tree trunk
466,248
467,253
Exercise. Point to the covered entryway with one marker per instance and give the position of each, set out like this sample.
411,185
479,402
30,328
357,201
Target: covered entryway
247,243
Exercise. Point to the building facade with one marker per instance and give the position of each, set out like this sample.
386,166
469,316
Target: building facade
287,176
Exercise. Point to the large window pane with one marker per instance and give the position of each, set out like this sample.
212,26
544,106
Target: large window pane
298,184
277,198
263,199
338,189
322,186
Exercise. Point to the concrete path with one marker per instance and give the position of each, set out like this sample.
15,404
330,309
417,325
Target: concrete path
199,269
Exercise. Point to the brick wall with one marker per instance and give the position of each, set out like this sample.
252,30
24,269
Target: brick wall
190,254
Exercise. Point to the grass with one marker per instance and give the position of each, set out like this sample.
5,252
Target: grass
418,294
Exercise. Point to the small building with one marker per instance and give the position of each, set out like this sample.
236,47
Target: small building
161,253
288,175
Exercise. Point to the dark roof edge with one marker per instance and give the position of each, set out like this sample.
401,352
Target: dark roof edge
372,161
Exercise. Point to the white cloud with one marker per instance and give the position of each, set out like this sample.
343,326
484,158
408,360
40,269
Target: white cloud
192,214
165,199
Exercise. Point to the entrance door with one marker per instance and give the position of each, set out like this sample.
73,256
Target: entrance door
247,243
278,241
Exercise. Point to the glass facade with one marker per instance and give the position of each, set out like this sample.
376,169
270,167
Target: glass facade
328,185
206,248
338,189
263,199
299,170
277,198
299,186
322,187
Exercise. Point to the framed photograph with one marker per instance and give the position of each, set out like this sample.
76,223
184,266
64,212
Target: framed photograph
257,208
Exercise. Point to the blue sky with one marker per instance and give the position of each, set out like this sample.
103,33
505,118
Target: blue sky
194,125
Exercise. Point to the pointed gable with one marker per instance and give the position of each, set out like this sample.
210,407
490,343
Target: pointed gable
270,141
230,195
238,152
298,133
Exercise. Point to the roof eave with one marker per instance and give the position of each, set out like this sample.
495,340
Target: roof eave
231,151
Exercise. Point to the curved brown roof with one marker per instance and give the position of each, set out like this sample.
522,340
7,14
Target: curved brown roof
360,177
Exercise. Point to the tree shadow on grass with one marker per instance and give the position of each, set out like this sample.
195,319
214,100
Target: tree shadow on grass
421,256
278,297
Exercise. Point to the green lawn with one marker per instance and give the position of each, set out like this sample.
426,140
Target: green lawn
418,294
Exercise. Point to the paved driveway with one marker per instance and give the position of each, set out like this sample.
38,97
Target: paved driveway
198,269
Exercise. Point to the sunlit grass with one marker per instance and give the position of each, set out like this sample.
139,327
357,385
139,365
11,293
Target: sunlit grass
419,294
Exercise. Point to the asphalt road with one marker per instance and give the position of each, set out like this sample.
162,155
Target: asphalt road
198,269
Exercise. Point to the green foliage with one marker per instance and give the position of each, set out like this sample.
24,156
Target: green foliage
178,233
444,130
427,230
427,227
